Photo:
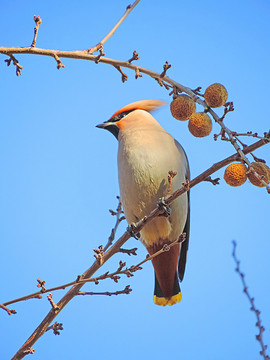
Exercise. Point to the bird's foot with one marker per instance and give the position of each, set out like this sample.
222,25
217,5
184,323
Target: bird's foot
131,230
164,207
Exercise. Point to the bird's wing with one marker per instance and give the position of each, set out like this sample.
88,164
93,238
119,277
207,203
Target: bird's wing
184,247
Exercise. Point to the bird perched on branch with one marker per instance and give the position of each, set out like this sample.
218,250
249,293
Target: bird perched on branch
146,155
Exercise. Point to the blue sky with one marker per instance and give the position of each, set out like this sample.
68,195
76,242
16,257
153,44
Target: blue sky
59,178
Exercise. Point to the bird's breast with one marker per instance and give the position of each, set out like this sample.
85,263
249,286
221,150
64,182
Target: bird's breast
143,166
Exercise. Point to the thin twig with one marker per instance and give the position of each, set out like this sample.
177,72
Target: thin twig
38,22
41,284
166,247
255,158
227,108
259,337
56,327
15,63
171,175
101,53
166,67
128,251
119,218
197,91
135,56
10,312
249,133
54,306
59,62
127,290
99,254
137,73
115,276
102,42
124,76
212,181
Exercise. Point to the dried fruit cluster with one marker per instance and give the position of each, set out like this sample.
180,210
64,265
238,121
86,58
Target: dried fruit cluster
184,108
236,174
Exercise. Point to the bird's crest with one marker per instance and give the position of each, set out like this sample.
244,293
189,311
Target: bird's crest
147,105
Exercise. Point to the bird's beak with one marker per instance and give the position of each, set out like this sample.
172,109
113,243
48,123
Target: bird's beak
110,126
104,125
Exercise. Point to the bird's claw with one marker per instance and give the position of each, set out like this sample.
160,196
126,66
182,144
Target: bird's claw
164,207
130,230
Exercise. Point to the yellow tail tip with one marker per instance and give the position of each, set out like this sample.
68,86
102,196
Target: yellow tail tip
168,301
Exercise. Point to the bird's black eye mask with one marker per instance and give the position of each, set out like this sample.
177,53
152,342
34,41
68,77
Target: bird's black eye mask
120,116
112,128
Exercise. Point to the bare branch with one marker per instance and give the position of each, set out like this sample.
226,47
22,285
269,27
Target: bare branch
101,53
106,38
227,108
54,306
56,327
59,62
39,331
162,80
127,290
197,91
222,134
249,133
135,56
171,175
115,276
103,255
166,66
119,218
41,284
124,76
99,254
129,251
259,337
166,247
213,181
15,63
137,73
255,158
38,22
10,312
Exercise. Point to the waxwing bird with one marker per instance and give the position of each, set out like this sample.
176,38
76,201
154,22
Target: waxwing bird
146,154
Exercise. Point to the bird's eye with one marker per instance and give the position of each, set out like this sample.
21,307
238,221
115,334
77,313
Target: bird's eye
120,116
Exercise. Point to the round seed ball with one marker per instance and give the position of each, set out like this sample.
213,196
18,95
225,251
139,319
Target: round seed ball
200,124
235,174
182,107
215,95
261,169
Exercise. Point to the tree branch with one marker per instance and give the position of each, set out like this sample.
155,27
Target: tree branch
102,42
259,337
39,331
127,290
161,78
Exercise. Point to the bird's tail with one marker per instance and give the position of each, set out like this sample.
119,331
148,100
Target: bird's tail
175,297
167,289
